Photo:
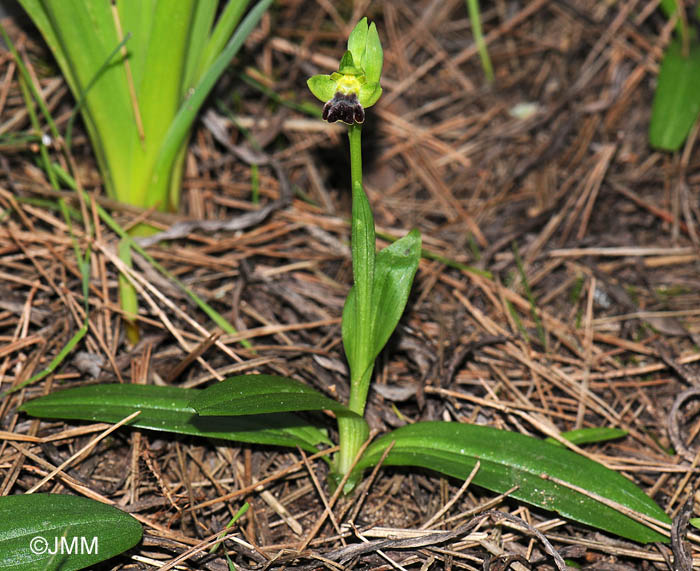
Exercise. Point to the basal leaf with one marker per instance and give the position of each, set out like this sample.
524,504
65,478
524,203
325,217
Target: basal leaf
677,98
260,394
168,409
43,532
511,459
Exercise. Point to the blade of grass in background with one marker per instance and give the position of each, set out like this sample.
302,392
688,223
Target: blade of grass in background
475,20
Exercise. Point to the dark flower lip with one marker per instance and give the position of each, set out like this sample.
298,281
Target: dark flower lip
344,107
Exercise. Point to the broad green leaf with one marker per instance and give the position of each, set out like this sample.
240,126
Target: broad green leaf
677,98
46,532
159,95
511,459
394,269
589,435
168,409
260,394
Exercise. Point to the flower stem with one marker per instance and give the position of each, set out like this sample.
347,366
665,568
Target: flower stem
354,430
355,136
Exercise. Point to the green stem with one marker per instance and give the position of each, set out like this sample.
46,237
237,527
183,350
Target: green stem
352,433
355,136
353,430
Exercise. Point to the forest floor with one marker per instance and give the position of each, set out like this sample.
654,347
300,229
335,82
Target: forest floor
559,287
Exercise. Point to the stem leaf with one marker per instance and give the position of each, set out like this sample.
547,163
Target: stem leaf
394,270
509,459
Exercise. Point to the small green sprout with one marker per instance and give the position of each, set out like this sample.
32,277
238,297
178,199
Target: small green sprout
355,86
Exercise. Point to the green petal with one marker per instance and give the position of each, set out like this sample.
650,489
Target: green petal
348,65
357,40
322,86
369,94
374,56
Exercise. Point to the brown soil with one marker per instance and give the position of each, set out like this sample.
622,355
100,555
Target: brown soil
606,228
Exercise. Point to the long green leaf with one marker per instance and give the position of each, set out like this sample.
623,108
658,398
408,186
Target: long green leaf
167,409
510,459
46,532
677,99
180,126
200,28
227,22
261,394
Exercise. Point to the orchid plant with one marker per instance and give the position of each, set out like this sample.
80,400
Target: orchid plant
263,409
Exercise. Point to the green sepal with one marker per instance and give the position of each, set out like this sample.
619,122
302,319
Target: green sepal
357,40
369,94
373,58
322,86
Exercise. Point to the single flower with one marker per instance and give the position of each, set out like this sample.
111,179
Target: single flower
355,86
